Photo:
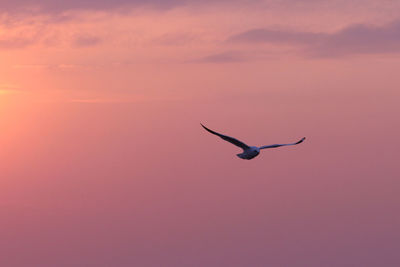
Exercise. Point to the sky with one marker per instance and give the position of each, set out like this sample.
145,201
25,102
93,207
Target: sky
103,161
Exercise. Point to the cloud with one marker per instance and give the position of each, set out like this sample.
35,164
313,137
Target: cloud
20,32
50,6
58,6
354,39
110,99
31,66
175,39
362,39
19,38
26,35
9,88
98,100
224,57
86,40
15,43
53,6
8,92
275,36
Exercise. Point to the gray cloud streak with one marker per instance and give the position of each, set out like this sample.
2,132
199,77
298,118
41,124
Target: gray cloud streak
224,57
15,43
355,39
59,6
86,40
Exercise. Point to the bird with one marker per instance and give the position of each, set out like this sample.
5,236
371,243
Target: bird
249,152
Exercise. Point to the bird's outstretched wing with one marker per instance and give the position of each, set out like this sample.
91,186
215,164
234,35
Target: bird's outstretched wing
278,145
228,138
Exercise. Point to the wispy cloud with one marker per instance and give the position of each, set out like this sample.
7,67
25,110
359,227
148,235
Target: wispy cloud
31,66
354,39
175,39
85,40
223,57
122,99
16,42
9,88
51,6
8,92
25,37
276,36
20,34
100,100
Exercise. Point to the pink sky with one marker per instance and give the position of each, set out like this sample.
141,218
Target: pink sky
103,161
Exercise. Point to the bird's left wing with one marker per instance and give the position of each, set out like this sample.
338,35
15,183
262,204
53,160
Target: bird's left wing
228,138
278,145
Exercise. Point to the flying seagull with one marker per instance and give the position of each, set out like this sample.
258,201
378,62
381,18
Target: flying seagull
249,152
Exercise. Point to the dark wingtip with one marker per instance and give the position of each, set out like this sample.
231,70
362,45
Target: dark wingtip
208,130
301,140
204,127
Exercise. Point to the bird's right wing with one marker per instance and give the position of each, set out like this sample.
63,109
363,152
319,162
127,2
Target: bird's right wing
278,145
228,138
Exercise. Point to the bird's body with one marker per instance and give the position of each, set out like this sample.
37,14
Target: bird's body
249,152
